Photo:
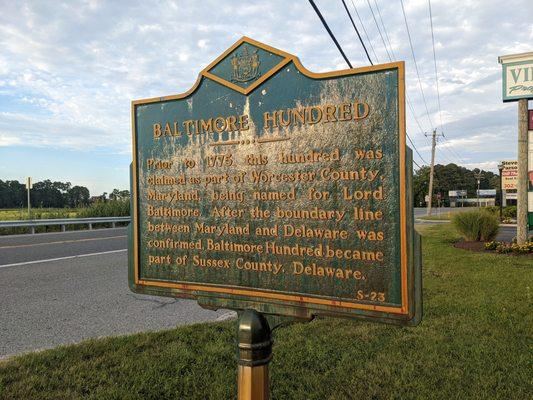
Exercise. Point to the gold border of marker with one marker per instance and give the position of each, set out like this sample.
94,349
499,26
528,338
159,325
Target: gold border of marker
270,294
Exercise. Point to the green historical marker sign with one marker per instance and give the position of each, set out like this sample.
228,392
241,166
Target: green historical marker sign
270,187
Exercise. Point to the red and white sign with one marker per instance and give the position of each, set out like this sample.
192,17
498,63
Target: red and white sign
530,120
509,174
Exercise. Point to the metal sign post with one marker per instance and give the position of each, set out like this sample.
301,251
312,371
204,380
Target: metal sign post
255,353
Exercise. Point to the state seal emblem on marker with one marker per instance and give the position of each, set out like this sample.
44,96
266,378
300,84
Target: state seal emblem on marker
245,66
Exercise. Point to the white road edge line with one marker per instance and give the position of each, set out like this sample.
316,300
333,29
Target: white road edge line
61,258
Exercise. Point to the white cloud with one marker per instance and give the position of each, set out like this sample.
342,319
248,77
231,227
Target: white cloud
6,140
69,70
202,43
487,165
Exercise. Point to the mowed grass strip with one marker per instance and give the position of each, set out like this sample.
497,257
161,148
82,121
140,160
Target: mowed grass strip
474,343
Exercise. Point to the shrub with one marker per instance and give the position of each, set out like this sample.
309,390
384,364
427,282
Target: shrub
476,225
509,212
493,209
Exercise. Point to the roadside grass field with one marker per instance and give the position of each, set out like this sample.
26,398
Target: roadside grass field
10,214
112,208
473,343
16,214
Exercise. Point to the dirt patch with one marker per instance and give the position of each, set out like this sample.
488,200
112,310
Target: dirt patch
472,246
480,248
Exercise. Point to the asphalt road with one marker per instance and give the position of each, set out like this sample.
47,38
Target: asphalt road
61,288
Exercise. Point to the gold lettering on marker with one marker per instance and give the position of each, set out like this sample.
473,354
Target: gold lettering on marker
168,131
187,125
157,130
357,114
206,125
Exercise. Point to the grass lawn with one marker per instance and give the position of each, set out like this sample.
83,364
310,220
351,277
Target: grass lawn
474,343
443,216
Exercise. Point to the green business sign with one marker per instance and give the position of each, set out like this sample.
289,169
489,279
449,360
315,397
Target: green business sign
517,77
270,187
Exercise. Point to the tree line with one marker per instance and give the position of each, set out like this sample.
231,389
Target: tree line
63,194
48,194
451,177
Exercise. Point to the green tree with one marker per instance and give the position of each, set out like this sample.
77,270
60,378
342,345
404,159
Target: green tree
44,194
78,196
12,194
119,194
450,177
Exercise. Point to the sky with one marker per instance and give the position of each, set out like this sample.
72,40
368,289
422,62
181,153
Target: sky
70,69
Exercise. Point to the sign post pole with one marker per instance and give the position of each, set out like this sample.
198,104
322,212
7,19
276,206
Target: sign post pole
28,187
500,169
516,86
521,214
255,353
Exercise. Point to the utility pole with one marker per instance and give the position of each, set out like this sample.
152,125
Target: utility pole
521,200
432,169
478,176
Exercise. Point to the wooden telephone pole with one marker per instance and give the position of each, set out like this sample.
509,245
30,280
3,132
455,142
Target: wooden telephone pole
432,169
478,177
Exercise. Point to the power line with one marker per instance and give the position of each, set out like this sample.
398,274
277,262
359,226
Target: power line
370,60
394,58
414,147
413,113
419,127
379,30
330,33
452,150
346,59
444,147
416,65
435,63
364,30
357,31
409,103
385,30
411,108
445,157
